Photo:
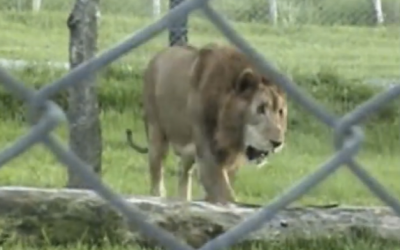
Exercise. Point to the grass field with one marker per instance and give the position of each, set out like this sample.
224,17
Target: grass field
329,63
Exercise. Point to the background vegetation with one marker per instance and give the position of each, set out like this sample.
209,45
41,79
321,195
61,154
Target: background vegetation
291,12
328,48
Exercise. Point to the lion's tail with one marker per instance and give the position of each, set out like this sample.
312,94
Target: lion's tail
133,145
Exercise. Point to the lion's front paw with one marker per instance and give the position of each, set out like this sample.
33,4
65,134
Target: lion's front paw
220,200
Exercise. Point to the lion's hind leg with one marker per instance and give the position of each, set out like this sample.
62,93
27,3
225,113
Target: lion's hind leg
185,177
158,149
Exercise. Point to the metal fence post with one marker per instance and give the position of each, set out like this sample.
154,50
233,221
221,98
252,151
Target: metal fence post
379,16
178,31
83,111
273,11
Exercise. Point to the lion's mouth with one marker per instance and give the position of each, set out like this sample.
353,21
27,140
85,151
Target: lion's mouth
254,154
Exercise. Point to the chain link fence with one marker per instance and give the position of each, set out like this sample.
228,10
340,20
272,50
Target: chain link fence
303,30
289,12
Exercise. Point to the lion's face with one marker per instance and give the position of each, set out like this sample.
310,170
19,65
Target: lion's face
265,124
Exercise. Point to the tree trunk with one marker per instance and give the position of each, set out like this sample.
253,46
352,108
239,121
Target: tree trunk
83,110
62,217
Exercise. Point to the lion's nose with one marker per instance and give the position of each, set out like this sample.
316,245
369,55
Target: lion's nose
276,144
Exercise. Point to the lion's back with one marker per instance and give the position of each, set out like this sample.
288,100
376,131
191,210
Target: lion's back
169,67
166,90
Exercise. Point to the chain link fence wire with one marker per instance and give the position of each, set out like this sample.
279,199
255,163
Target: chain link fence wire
348,135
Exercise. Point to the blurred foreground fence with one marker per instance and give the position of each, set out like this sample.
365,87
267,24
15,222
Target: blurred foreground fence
348,135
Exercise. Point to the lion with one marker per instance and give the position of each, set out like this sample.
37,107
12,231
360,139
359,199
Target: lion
214,109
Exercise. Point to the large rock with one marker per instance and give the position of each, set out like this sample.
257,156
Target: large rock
62,216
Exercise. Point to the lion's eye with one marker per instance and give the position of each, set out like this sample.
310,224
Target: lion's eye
261,109
281,112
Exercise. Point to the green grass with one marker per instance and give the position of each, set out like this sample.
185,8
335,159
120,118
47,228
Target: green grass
124,169
328,63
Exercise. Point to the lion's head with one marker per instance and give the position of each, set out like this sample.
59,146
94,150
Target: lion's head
265,123
243,111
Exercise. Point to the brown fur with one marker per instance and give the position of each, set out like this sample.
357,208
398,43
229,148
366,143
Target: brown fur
206,103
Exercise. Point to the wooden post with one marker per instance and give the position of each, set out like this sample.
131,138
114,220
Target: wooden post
83,111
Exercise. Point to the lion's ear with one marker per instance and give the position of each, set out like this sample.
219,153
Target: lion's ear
246,82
